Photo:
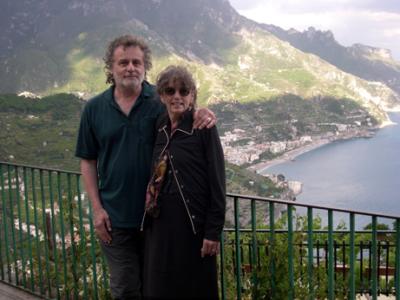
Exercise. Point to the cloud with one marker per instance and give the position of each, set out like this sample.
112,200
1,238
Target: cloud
320,5
392,33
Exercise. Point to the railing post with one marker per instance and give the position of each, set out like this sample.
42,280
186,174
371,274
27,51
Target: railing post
93,253
344,263
271,247
53,233
46,232
14,249
397,275
105,272
28,223
237,250
222,267
5,225
331,278
72,235
374,260
20,230
310,262
62,236
361,265
2,208
37,240
254,248
387,267
82,245
291,291
352,256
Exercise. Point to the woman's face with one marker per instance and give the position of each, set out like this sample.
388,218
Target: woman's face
177,98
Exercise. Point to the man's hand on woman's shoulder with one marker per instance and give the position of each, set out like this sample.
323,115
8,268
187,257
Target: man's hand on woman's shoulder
204,117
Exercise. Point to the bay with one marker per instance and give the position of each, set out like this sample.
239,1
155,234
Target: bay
358,174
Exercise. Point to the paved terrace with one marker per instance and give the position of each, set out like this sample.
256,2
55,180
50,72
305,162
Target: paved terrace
8,292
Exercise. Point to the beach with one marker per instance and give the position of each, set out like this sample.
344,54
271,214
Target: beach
290,155
317,141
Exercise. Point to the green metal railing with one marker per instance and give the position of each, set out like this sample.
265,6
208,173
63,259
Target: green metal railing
271,249
47,244
302,259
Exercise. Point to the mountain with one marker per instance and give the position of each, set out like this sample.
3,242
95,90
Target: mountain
53,46
369,63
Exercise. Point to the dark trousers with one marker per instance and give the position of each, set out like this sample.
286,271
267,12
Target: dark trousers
124,256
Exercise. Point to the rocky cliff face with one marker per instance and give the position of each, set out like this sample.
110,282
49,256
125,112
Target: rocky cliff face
196,26
370,63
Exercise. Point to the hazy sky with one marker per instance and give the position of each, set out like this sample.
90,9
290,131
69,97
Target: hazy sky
369,22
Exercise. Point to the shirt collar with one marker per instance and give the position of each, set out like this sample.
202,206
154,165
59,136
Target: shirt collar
185,124
147,89
147,92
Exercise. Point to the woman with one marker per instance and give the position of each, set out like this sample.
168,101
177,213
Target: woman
185,202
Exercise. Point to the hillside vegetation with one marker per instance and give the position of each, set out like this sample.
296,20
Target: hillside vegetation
42,132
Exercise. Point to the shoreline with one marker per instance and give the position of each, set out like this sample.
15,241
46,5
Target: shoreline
317,143
290,155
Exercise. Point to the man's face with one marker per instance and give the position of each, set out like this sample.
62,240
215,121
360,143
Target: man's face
128,67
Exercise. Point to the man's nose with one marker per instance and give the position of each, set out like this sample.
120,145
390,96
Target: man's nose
130,66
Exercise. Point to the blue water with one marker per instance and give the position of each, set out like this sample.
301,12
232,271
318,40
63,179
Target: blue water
360,174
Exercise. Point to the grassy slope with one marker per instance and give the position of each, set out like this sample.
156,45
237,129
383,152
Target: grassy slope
42,132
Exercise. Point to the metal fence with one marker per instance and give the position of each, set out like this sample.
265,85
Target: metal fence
271,249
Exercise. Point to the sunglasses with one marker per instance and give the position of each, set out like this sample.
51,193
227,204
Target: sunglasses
170,91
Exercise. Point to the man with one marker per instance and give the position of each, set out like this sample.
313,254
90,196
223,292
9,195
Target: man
115,144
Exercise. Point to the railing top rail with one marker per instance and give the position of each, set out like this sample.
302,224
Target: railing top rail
233,195
39,168
322,231
314,206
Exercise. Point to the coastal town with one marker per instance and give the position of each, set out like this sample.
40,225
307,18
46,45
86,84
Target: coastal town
250,152
247,146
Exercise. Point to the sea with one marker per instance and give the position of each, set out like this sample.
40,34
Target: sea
360,174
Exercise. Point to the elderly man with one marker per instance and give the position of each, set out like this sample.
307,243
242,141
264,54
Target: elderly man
115,144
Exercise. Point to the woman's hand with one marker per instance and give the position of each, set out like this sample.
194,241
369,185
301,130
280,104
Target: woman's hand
210,248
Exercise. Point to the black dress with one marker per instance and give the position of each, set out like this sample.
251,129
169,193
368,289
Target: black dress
173,266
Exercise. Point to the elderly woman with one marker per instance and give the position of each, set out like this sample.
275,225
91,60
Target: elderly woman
185,202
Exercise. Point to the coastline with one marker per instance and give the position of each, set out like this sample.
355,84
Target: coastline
290,155
316,143
320,141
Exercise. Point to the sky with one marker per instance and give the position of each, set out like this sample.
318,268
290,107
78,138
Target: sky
370,22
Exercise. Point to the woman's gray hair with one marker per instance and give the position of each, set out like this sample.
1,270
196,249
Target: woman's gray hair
176,75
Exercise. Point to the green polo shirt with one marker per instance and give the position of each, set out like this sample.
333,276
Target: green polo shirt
122,146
